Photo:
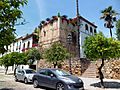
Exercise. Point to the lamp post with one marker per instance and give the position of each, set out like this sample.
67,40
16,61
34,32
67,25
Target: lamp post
69,41
78,26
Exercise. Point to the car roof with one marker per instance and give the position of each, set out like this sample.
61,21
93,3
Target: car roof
49,69
25,69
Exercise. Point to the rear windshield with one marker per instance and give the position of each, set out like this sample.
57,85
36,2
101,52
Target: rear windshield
30,71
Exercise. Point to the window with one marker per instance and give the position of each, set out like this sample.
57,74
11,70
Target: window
48,73
23,45
28,46
95,31
20,46
44,33
86,27
29,71
91,30
43,72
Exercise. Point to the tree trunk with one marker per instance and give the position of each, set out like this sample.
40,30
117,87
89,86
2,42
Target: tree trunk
101,76
111,32
6,70
55,64
15,69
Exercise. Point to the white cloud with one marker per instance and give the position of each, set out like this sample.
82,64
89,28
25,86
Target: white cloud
41,8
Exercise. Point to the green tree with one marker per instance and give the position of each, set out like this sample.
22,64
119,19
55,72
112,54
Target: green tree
32,55
99,47
6,62
14,58
18,58
118,29
109,16
9,14
56,54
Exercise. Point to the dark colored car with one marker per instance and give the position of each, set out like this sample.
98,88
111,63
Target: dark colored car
57,79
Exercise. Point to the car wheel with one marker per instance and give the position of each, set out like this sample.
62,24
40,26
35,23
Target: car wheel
35,84
25,81
16,79
60,86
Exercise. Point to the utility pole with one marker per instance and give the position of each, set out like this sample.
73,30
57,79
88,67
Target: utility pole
78,28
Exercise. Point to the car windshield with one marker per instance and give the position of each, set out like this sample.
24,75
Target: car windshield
61,72
29,71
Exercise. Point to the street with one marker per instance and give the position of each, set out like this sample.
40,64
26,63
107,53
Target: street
7,82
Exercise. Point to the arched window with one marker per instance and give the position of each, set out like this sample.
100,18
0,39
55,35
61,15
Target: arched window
20,46
95,31
24,46
28,46
44,33
91,30
86,27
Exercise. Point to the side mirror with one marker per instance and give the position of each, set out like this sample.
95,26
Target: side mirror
51,75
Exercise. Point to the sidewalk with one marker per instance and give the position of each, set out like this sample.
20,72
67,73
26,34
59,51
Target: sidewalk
93,84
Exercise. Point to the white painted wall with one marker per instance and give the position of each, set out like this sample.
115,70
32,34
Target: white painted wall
83,35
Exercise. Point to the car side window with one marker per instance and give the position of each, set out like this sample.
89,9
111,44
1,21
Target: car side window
43,72
48,73
22,72
19,71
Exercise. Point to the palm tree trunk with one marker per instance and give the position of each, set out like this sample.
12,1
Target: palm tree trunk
101,76
111,32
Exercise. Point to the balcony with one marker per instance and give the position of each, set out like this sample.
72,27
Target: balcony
34,45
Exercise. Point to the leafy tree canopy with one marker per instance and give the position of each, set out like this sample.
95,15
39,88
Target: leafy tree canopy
13,58
118,29
98,46
56,53
9,14
33,54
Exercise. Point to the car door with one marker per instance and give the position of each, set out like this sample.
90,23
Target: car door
50,79
19,74
22,75
41,77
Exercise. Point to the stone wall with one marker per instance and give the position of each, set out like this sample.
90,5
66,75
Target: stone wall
111,68
77,67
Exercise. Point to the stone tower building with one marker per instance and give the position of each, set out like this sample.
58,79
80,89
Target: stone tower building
59,27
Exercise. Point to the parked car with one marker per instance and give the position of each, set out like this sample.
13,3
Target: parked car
25,75
57,79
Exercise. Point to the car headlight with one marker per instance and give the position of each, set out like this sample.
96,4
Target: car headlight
68,80
80,80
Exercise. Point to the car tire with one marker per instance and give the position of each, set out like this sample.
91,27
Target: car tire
60,86
35,83
16,79
25,81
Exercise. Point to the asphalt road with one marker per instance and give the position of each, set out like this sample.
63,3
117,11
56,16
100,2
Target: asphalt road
7,82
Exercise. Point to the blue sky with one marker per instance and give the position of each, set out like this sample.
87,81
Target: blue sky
38,10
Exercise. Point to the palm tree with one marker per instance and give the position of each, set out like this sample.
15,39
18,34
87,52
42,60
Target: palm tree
109,16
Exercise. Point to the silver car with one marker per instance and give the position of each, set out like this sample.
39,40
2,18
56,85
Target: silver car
25,75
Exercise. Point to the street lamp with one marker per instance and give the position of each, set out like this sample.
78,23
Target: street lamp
78,28
69,41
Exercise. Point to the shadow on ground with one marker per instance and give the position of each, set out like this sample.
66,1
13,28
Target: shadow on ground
108,84
6,89
2,81
46,88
